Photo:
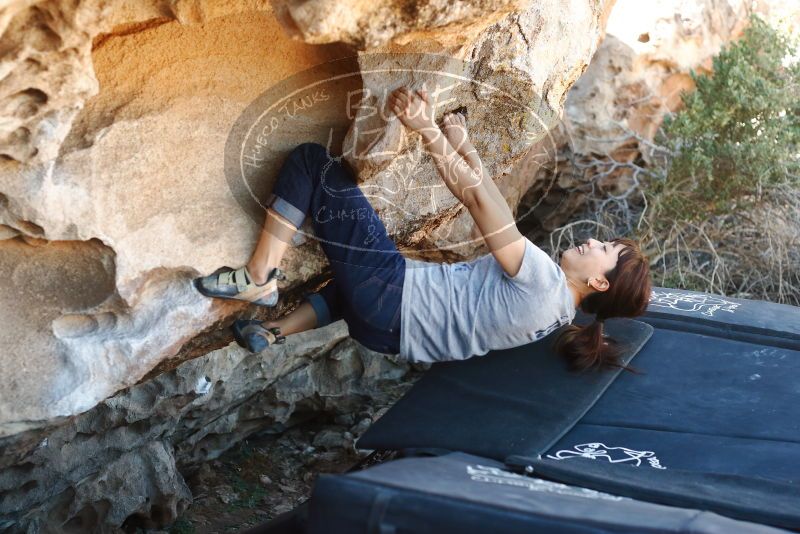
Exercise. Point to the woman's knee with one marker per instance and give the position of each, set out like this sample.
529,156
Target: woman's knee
310,152
312,159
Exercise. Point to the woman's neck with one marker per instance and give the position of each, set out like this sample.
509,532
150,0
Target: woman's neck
576,290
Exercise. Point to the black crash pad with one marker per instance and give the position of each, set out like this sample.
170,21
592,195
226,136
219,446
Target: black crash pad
463,494
513,401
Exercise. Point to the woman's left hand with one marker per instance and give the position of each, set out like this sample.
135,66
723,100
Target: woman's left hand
413,108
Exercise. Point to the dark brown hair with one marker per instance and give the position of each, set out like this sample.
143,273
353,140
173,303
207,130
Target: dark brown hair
585,347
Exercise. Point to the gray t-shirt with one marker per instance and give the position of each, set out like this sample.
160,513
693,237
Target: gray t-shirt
458,310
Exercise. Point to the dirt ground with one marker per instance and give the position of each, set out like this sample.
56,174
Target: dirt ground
264,477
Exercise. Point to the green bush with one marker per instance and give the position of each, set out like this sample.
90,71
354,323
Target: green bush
738,133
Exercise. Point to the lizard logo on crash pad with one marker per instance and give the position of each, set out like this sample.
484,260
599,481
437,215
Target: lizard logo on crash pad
615,455
692,302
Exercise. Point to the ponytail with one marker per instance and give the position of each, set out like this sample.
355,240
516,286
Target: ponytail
585,348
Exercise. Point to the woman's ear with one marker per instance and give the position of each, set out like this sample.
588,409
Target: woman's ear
599,284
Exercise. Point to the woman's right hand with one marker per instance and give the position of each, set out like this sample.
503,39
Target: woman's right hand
414,109
455,129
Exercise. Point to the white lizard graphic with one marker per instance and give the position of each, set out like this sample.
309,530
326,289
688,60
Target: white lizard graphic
692,302
614,455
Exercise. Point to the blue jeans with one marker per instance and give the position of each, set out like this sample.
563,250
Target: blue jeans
368,270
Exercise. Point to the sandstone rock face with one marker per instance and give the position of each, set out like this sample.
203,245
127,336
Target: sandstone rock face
114,195
368,25
47,55
47,278
141,172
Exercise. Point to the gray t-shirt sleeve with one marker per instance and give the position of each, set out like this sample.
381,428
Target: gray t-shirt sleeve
537,272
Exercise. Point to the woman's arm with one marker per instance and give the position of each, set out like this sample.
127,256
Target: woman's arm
415,111
469,183
456,173
494,219
455,129
488,207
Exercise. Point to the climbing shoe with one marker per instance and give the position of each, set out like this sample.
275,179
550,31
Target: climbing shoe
254,336
237,284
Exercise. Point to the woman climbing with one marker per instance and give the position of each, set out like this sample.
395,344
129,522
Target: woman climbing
430,311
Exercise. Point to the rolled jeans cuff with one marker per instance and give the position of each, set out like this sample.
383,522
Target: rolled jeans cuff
320,309
284,208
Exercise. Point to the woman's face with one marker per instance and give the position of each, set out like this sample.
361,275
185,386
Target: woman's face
591,259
